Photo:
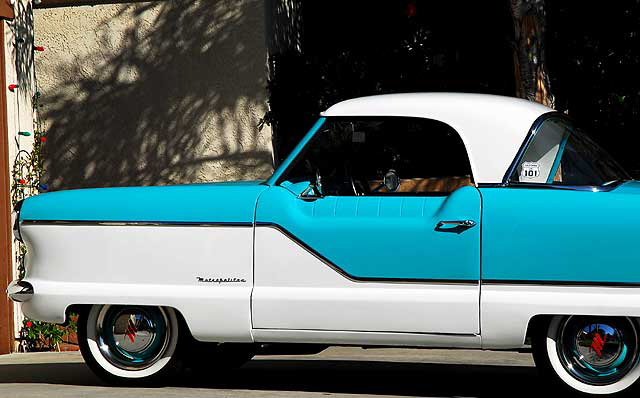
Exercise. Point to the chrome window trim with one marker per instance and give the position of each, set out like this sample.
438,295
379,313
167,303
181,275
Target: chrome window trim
531,185
533,131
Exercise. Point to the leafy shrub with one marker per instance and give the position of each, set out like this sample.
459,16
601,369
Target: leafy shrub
38,336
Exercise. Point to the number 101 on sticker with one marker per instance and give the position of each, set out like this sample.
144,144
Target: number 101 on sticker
530,170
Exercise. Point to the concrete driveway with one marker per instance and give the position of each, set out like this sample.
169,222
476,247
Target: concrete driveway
337,372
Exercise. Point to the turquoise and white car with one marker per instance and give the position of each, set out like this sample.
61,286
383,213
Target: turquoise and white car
419,220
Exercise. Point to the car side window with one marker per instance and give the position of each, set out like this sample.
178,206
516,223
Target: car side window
559,154
383,156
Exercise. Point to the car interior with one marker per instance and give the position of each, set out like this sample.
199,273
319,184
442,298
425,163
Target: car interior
384,156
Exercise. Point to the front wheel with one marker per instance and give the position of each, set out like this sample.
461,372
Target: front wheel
129,344
590,354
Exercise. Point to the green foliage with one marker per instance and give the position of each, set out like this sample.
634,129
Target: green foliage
42,336
354,48
593,56
342,50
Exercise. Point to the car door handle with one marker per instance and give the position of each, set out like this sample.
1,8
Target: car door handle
457,223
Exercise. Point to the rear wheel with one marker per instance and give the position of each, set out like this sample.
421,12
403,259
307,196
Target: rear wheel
591,354
129,344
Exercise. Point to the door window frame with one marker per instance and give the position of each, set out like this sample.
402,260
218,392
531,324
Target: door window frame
302,148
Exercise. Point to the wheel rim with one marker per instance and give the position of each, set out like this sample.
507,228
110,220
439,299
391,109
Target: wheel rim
132,337
598,351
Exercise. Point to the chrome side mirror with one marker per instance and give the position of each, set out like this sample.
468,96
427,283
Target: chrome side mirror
314,190
391,181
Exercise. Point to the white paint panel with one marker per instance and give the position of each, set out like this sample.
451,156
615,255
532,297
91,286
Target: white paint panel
146,265
507,309
492,127
296,290
365,338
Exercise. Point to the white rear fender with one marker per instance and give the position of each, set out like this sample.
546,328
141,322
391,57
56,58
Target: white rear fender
507,309
203,271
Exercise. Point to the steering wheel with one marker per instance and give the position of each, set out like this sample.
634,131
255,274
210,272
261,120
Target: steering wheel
355,183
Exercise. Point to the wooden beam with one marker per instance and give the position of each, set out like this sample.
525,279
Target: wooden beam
6,10
7,336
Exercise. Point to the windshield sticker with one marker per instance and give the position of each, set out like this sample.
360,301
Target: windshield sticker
530,170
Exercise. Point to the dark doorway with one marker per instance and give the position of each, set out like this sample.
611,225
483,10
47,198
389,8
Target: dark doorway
356,48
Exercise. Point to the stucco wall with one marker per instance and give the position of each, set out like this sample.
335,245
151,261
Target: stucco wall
18,57
153,93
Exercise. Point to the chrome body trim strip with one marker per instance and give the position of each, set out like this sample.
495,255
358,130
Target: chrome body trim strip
139,223
506,282
376,331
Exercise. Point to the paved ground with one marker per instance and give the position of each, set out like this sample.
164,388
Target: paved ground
337,372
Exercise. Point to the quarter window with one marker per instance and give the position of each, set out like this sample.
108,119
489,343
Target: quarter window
560,154
414,156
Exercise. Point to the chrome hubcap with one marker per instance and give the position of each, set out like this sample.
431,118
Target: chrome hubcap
132,337
598,351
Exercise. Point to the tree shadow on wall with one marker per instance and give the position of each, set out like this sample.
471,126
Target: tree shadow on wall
179,99
22,50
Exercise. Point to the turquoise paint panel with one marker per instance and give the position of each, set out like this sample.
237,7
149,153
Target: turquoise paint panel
383,237
369,208
412,208
292,156
392,207
561,235
346,208
216,202
327,208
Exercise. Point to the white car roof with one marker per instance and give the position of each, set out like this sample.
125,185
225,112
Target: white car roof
492,127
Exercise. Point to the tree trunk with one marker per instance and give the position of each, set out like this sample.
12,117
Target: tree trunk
532,79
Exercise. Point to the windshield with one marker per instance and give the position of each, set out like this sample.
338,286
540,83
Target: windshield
560,154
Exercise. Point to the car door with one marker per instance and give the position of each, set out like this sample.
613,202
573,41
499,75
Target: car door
373,228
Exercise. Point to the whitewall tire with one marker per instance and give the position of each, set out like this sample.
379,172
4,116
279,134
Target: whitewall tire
591,354
129,344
